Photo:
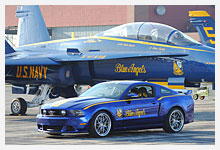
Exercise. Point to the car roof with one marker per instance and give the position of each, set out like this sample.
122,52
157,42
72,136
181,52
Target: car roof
130,82
133,82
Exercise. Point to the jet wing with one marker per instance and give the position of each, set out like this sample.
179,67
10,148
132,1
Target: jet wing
22,58
26,58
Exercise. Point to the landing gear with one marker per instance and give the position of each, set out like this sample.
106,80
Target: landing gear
45,92
19,105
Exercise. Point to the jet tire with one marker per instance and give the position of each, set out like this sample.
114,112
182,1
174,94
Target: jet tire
18,106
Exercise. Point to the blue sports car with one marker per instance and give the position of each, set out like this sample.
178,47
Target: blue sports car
117,106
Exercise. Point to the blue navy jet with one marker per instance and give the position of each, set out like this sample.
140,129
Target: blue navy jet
144,51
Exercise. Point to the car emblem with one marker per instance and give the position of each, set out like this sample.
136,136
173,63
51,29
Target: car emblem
51,112
119,113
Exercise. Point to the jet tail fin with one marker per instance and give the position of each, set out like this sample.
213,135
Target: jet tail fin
31,25
205,25
8,48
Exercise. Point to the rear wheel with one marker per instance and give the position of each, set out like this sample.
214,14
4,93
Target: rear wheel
202,97
18,106
100,125
174,121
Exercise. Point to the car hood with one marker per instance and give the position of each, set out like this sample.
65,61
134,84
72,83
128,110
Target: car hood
74,103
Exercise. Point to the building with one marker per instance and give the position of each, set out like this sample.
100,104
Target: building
66,21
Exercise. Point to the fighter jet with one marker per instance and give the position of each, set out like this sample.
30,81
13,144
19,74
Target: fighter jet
146,51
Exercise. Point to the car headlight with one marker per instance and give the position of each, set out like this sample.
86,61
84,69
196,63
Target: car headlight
63,112
77,113
43,111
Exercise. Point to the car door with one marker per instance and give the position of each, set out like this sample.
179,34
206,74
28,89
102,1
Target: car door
139,109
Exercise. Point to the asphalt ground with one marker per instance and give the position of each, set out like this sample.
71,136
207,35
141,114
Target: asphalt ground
22,130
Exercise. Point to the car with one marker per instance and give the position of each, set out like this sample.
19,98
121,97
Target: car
116,106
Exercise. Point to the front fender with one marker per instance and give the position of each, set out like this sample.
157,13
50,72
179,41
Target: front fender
93,110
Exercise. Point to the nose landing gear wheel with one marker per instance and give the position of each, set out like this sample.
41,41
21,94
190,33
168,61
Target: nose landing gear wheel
18,106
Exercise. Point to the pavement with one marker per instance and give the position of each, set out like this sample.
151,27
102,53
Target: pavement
22,130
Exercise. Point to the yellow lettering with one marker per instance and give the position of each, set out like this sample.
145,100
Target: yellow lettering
45,72
129,113
40,72
132,69
20,71
36,72
117,67
143,70
17,75
31,75
25,72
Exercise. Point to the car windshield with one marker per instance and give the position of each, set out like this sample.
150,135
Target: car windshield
106,90
150,31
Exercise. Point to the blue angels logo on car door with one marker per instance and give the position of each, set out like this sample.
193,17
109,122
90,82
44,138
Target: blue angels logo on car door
178,67
119,113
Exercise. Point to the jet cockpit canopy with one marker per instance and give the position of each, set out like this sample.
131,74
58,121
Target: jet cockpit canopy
149,31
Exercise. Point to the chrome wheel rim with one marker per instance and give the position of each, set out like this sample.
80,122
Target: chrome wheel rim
16,107
102,124
176,120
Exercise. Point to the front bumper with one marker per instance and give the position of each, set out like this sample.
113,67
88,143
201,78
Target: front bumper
62,124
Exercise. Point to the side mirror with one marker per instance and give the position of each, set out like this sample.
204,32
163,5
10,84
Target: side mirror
130,96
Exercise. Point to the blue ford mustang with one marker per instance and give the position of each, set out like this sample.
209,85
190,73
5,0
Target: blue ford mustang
118,105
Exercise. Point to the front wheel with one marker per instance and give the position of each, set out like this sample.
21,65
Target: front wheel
100,125
195,96
174,121
18,106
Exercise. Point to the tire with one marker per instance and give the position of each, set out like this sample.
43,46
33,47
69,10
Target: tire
18,106
202,97
174,121
100,125
195,96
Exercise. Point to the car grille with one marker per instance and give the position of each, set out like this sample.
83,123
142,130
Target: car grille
53,113
51,128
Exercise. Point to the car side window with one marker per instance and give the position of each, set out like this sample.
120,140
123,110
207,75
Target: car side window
164,91
140,91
